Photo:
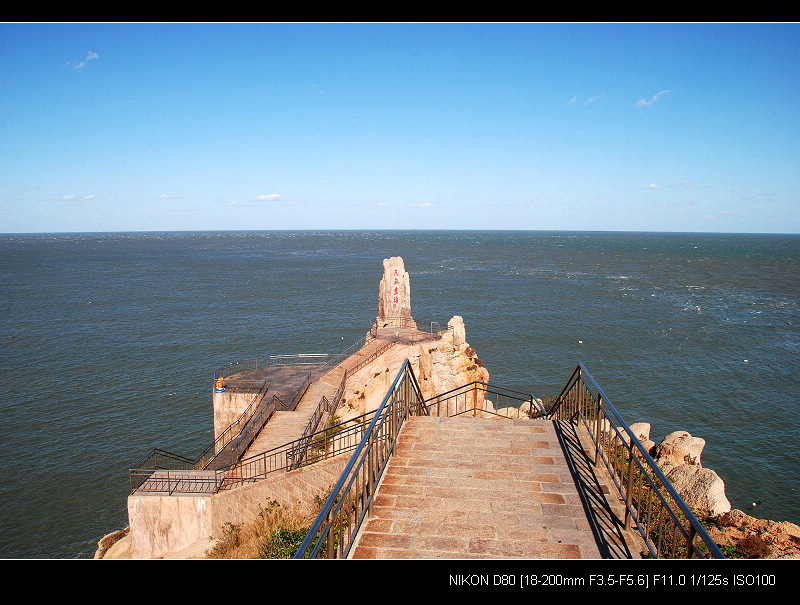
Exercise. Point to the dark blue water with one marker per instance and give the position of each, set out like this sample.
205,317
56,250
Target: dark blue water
110,341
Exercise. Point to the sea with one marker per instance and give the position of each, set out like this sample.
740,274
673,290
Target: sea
109,343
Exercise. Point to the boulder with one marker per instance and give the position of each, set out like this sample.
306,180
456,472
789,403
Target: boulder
701,488
641,430
677,449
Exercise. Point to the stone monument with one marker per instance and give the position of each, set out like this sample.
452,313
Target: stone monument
394,296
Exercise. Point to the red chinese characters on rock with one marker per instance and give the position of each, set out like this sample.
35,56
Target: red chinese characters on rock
394,299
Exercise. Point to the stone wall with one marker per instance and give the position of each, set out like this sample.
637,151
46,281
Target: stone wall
161,525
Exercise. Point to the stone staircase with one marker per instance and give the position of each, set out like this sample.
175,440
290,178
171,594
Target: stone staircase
286,426
478,488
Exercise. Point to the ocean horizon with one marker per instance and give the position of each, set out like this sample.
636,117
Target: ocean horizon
110,341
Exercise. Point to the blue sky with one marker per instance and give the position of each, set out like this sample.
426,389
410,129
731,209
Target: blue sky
643,127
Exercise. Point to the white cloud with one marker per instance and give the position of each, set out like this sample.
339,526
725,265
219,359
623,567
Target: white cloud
90,56
682,184
592,100
267,197
572,101
170,196
642,102
421,205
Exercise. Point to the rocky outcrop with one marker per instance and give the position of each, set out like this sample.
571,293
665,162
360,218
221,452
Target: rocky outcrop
678,449
756,538
440,365
678,457
441,361
116,545
394,294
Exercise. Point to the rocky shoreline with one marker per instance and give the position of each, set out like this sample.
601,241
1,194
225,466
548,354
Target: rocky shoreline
738,534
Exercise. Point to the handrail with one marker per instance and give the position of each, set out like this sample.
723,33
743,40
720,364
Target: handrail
232,431
327,408
247,436
320,360
348,504
272,361
507,403
667,524
327,443
157,460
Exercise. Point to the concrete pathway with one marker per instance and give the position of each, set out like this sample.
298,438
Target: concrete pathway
478,488
287,426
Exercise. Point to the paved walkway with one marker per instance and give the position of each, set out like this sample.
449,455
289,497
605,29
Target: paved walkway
287,426
478,488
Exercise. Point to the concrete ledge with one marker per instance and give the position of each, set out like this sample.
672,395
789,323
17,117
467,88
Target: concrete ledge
163,525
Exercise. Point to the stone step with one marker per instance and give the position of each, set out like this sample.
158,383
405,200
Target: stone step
477,488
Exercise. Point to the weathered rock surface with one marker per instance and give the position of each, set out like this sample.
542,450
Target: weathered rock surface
116,545
641,430
679,448
701,488
394,297
757,538
440,366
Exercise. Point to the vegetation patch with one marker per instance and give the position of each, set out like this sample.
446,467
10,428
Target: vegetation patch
276,533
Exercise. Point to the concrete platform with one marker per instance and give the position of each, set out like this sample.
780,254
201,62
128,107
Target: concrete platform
472,488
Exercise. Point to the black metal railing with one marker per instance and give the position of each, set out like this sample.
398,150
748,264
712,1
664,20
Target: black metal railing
335,528
155,461
245,439
472,399
329,442
226,436
666,523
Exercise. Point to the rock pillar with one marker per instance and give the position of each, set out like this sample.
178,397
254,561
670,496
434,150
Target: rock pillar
394,298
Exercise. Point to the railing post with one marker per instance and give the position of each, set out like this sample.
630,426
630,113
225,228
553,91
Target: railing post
629,488
474,400
598,428
370,473
690,546
331,549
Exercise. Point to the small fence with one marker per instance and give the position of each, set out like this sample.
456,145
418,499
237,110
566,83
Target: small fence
668,526
155,462
274,361
483,399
